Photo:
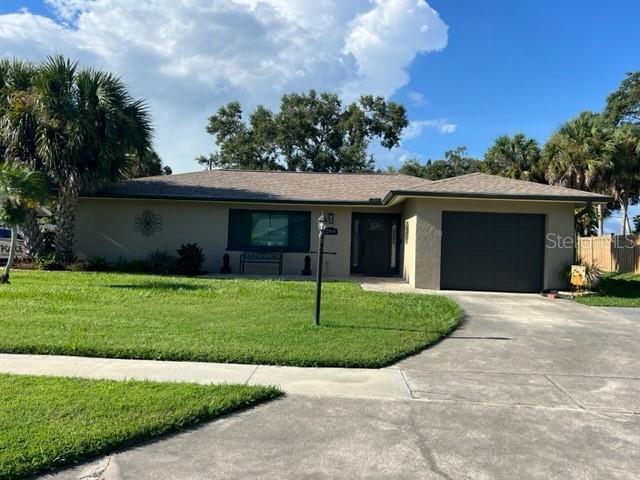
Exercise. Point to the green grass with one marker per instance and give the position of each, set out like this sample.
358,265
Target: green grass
230,320
48,422
616,290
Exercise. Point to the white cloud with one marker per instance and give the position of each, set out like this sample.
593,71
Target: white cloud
417,127
68,10
385,40
188,57
446,128
394,157
417,98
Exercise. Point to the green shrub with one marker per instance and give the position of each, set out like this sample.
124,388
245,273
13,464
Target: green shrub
76,266
161,262
190,259
50,262
136,266
97,264
131,266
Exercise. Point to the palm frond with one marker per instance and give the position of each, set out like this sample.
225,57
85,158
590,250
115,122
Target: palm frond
21,186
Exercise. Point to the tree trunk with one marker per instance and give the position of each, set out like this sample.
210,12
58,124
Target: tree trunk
32,234
601,220
66,216
12,255
624,204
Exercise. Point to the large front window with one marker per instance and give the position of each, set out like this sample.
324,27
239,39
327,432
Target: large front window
282,230
269,229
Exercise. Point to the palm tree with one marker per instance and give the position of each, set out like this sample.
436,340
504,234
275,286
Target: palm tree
18,130
624,179
575,156
21,189
87,127
81,127
17,110
149,164
514,157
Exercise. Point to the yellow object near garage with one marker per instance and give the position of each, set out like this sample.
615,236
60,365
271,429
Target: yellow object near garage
578,275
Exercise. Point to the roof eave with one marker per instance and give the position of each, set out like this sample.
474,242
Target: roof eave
393,194
485,196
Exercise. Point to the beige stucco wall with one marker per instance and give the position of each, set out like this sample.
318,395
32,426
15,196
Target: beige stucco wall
105,227
424,272
410,219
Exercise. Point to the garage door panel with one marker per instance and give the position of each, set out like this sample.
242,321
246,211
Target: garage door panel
490,251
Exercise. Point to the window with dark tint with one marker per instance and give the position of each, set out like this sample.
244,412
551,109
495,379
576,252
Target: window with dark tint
278,230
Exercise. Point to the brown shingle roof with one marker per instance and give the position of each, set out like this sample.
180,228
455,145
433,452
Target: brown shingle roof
479,185
268,186
336,188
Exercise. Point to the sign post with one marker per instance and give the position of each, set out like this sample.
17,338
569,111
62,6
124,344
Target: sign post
321,227
322,231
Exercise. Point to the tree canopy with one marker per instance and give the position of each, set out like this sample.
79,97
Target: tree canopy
456,162
597,152
513,157
144,164
624,174
311,132
575,156
623,105
81,127
21,189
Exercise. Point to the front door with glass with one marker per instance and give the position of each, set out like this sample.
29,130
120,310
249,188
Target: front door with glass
374,244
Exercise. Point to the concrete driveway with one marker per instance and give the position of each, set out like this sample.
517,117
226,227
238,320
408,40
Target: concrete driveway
526,388
528,350
630,313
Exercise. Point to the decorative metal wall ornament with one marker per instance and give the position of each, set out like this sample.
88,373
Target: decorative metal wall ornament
147,223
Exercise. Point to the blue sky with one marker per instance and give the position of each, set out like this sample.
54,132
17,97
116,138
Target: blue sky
525,66
467,70
508,66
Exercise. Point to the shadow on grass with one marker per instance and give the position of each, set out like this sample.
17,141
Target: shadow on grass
159,286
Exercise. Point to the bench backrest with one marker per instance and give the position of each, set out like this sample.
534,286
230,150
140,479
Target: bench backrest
262,255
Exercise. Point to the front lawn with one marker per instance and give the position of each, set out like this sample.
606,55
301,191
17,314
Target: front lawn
230,320
616,290
48,422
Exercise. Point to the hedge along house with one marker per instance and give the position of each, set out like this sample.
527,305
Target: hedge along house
475,232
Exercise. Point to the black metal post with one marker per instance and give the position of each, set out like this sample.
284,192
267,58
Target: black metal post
319,276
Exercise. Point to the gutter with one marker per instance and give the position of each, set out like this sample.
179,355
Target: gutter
488,196
596,199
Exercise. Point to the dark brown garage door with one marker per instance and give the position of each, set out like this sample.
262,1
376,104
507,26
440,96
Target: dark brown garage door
492,251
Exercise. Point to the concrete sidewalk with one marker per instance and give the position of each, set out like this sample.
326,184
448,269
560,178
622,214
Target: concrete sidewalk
386,383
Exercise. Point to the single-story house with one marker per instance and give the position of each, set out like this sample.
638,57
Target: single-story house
474,232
